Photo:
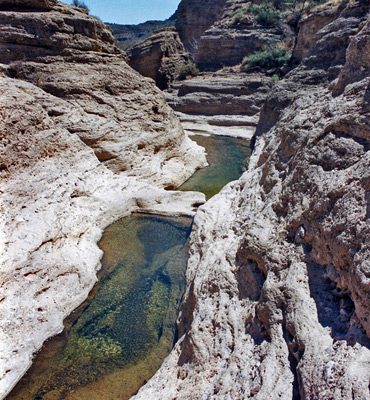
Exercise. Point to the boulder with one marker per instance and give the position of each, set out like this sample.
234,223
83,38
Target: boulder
161,57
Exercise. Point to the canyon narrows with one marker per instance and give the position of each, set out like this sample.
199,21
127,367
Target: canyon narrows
85,140
118,338
277,300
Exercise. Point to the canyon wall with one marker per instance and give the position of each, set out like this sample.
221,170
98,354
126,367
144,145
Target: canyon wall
84,140
277,299
194,17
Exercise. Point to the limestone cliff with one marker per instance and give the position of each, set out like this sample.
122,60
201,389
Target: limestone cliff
277,298
236,34
84,140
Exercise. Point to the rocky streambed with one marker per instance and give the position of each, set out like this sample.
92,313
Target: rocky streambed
118,338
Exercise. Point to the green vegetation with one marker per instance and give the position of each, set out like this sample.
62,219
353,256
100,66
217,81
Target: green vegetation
238,17
293,10
80,4
272,56
270,14
189,69
296,4
275,78
265,14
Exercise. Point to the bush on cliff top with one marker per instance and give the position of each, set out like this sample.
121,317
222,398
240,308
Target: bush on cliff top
189,69
80,4
266,14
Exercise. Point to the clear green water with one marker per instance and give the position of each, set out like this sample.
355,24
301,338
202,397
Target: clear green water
122,333
117,339
227,158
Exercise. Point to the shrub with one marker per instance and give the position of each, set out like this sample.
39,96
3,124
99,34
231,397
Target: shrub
266,14
237,18
189,69
272,56
275,78
80,4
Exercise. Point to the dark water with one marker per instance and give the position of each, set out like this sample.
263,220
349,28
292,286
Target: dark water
116,340
227,158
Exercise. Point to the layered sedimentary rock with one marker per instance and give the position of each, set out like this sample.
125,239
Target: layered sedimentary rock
71,55
309,26
161,57
236,34
224,102
277,298
195,17
84,141
221,47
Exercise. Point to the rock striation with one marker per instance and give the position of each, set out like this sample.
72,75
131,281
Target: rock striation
277,297
161,57
310,25
225,102
84,140
233,34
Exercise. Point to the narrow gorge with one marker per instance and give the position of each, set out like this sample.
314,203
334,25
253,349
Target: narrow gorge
276,302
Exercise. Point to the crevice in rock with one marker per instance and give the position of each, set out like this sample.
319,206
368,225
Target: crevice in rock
43,244
335,307
341,134
104,155
293,362
183,325
250,280
257,331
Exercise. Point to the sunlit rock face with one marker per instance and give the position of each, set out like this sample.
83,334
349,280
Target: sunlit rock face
84,141
277,293
71,55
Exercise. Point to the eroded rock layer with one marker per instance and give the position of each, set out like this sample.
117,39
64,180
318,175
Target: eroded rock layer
85,140
277,300
226,102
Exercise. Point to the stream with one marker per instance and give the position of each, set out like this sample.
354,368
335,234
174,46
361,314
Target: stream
118,338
